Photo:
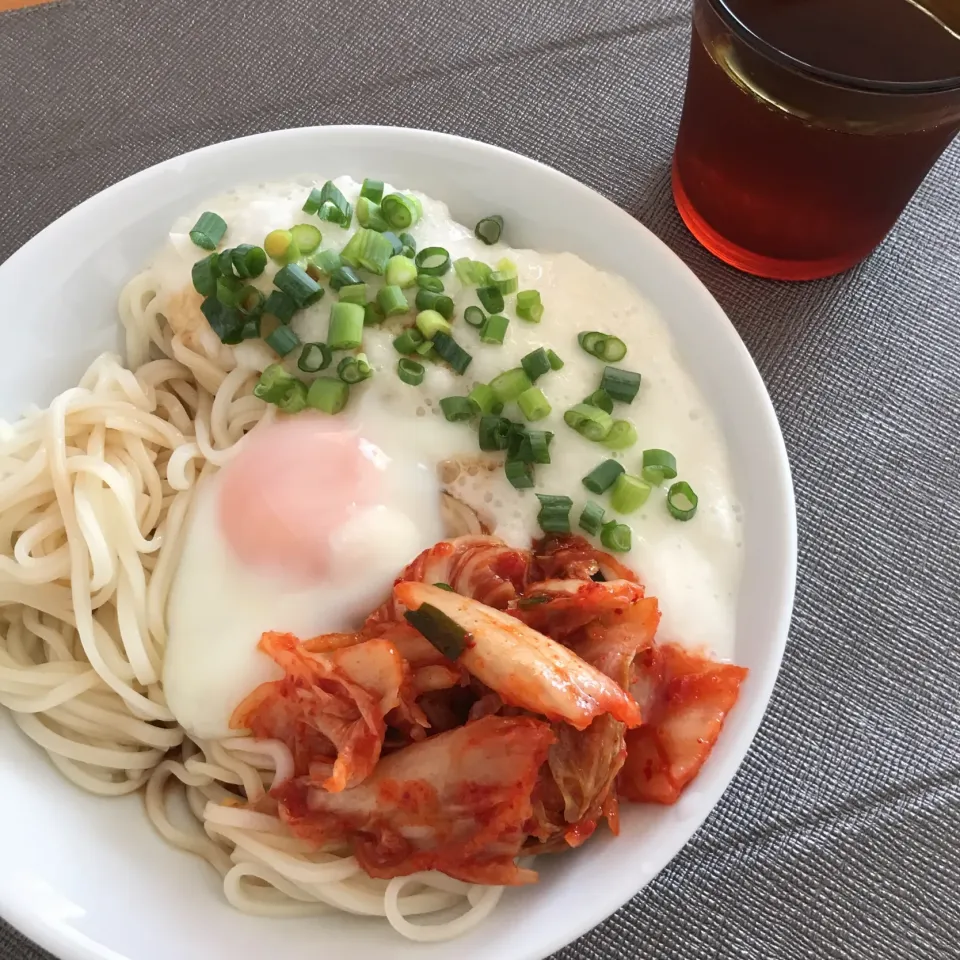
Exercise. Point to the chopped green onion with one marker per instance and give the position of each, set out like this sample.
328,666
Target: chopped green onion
529,306
533,404
485,399
433,261
400,210
314,357
603,346
431,322
409,371
504,278
519,474
458,409
591,517
603,476
428,300
204,274
274,384
491,298
510,384
280,305
329,204
247,260
623,434
682,501
326,261
555,362
536,363
554,515
474,316
616,536
601,399
369,215
373,314
489,229
622,385
426,350
659,465
250,301
294,282
346,326
445,634
589,421
353,293
409,245
408,341
445,586
532,601
494,329
226,322
208,231
533,446
472,272
392,301
396,244
295,399
283,340
343,276
448,349
426,282
367,249
372,190
629,493
354,369
494,432
306,237
280,246
328,395
228,291
401,272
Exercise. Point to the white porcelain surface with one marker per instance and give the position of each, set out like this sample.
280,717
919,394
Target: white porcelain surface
86,877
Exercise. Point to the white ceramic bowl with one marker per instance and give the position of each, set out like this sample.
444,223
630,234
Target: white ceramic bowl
86,877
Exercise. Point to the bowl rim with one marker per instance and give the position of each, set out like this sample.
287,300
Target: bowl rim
69,943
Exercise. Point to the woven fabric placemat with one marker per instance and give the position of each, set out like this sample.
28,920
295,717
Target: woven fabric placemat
840,837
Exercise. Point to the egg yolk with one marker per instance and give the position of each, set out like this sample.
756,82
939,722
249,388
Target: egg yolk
289,488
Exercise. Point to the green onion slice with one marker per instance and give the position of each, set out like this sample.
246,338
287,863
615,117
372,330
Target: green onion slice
296,284
400,210
484,398
603,346
410,371
533,404
555,362
306,237
448,349
489,229
533,446
591,518
226,322
408,341
510,384
392,301
432,261
353,293
431,322
629,493
248,261
519,474
283,340
621,385
440,302
458,409
472,273
589,421
401,272
369,215
554,515
491,298
295,399
373,314
274,384
326,261
372,190
529,307
426,282
444,633
658,465
616,536
346,326
494,329
504,278
603,476
536,363
600,398
279,245
409,245
208,231
329,204
328,395
368,249
204,274
494,433
682,501
623,434
343,276
354,369
474,316
314,357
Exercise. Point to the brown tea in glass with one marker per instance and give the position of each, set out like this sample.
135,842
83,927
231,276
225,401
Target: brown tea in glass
809,124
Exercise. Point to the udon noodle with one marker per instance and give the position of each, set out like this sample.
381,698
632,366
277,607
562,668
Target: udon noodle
94,492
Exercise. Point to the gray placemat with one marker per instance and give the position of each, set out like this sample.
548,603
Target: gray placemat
840,837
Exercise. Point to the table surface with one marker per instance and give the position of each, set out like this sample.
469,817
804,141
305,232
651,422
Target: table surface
840,836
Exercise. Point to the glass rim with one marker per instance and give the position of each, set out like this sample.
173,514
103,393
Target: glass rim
849,81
